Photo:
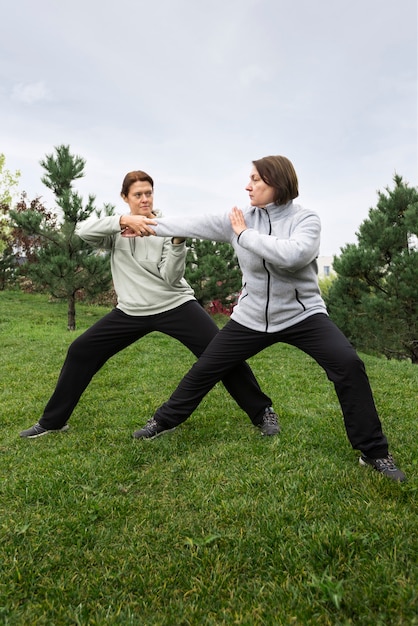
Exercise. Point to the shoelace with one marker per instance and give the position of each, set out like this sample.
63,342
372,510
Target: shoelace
152,424
386,463
270,417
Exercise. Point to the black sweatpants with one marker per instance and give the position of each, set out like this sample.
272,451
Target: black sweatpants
189,323
319,337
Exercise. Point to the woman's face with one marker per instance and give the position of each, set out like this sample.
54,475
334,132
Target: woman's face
260,193
140,198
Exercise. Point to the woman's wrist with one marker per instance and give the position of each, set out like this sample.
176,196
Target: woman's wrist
177,240
122,222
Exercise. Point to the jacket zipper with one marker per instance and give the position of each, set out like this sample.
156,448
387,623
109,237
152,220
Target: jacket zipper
268,282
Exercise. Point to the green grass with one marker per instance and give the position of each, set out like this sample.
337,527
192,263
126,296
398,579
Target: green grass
212,524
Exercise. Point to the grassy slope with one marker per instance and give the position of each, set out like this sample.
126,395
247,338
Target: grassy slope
212,524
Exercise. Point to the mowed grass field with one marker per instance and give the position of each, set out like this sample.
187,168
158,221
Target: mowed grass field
212,524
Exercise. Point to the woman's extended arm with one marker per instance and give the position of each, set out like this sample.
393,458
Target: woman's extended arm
211,227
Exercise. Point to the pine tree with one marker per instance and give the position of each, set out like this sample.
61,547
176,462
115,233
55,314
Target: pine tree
374,298
212,270
59,261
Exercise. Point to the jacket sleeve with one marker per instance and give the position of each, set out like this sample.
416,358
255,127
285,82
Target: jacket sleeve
292,253
99,232
173,262
210,227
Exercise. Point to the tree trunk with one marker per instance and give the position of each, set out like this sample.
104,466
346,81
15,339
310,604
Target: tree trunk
71,312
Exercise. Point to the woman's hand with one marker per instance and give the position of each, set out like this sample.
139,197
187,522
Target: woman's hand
136,226
237,220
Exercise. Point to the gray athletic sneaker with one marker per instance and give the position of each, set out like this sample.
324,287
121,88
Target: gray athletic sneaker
151,430
385,466
38,431
269,425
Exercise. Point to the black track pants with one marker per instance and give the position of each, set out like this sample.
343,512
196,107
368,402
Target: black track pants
189,323
319,337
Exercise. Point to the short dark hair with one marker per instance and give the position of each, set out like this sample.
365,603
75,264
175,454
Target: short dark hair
134,177
278,172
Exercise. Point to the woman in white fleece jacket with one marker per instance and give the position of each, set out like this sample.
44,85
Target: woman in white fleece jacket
152,296
277,243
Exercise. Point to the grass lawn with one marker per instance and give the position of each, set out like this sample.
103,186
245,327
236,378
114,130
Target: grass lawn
211,524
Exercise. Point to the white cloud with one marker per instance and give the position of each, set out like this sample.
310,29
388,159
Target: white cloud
30,93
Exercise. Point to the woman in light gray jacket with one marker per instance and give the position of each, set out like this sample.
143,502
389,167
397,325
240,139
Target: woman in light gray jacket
277,243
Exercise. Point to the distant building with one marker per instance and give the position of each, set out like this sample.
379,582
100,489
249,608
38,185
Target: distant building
325,268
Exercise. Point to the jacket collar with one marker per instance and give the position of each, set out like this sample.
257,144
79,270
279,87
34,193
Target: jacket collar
273,207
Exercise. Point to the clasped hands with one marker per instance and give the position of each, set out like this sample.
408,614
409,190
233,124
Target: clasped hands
137,226
141,226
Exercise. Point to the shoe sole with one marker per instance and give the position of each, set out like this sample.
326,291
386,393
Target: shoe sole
47,432
270,434
163,432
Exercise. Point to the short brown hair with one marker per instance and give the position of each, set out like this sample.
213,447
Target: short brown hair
134,177
278,172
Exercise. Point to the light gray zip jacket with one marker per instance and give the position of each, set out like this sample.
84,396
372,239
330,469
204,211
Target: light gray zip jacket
147,272
277,256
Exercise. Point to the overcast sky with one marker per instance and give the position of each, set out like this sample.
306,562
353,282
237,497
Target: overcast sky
193,91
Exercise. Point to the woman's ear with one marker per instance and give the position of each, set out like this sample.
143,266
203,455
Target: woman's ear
124,198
